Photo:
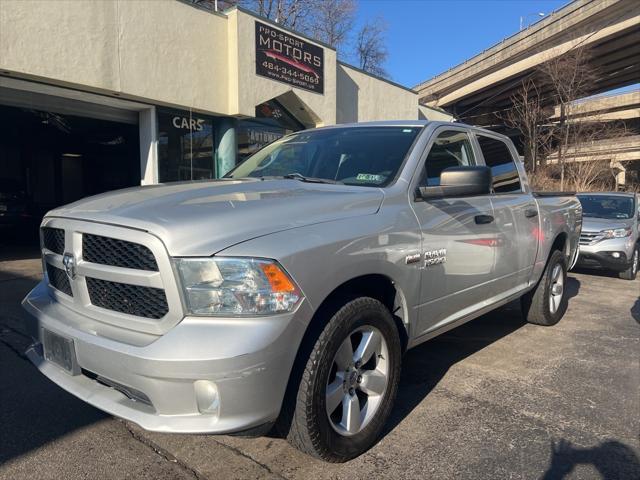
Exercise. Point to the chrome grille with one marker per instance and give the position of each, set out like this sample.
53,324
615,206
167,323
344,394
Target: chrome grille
135,300
53,239
589,238
58,279
123,276
118,253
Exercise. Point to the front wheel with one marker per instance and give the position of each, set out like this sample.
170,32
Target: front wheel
631,272
547,302
349,383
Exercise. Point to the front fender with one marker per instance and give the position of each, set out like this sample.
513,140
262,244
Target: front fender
323,256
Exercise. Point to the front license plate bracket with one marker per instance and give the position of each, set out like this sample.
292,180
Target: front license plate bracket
60,351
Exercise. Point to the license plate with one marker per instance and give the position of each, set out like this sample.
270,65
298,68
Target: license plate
60,351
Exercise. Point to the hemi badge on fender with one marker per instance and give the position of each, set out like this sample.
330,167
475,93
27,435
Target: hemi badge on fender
414,258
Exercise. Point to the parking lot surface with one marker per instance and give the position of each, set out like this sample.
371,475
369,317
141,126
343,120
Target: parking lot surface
495,398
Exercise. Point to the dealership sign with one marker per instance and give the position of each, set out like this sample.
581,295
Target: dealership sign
283,57
193,124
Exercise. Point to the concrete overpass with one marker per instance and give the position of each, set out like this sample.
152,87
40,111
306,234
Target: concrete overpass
482,85
603,108
622,154
626,149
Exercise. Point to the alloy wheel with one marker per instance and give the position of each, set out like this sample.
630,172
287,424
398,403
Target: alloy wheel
556,289
357,380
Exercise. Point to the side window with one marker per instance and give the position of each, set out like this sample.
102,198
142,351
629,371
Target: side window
451,149
498,156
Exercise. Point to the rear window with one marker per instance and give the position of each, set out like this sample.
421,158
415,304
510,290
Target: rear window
503,169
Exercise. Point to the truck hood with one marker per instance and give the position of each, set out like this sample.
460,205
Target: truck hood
594,224
202,218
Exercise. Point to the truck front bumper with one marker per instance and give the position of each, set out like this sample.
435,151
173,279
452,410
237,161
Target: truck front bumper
205,375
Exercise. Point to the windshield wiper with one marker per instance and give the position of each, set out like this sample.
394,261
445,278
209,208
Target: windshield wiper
302,178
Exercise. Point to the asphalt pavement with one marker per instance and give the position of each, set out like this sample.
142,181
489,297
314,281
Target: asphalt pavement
495,398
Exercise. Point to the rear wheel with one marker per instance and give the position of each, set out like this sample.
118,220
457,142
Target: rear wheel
349,383
547,302
631,272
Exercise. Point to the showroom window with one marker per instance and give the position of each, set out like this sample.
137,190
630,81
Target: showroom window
186,146
272,121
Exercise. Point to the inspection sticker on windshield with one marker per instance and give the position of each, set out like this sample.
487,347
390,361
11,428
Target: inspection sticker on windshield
369,177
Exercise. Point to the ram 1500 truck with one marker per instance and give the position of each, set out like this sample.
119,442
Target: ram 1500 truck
287,292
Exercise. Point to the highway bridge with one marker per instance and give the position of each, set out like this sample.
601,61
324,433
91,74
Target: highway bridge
619,106
477,88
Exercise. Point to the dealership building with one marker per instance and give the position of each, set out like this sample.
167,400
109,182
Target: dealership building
96,96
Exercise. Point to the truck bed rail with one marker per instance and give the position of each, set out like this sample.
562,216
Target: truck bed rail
553,194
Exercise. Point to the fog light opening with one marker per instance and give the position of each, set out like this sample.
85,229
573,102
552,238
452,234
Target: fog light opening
615,254
207,397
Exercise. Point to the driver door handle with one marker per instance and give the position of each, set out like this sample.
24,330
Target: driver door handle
531,212
483,219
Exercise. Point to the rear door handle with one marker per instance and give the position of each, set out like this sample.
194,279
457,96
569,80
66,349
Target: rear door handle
531,212
484,219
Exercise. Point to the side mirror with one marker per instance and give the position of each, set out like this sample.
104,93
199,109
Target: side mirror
460,182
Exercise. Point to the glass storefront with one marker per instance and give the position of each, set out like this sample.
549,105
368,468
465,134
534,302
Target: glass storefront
272,122
188,143
186,146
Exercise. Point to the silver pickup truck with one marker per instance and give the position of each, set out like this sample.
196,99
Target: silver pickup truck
287,292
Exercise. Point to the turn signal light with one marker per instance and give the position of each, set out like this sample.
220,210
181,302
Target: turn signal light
277,278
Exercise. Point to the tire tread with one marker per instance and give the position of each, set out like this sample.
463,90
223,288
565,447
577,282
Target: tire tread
535,303
304,433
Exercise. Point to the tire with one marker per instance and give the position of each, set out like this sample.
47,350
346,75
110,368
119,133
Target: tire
537,305
632,272
339,437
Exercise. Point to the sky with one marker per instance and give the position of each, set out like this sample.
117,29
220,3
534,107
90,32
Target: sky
427,37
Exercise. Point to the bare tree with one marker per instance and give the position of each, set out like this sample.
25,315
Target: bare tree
544,179
570,77
370,47
592,152
329,21
594,140
289,13
528,115
333,21
589,175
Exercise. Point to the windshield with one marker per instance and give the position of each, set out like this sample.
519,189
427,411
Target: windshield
607,206
369,156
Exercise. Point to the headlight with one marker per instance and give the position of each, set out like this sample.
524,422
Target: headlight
617,232
236,286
